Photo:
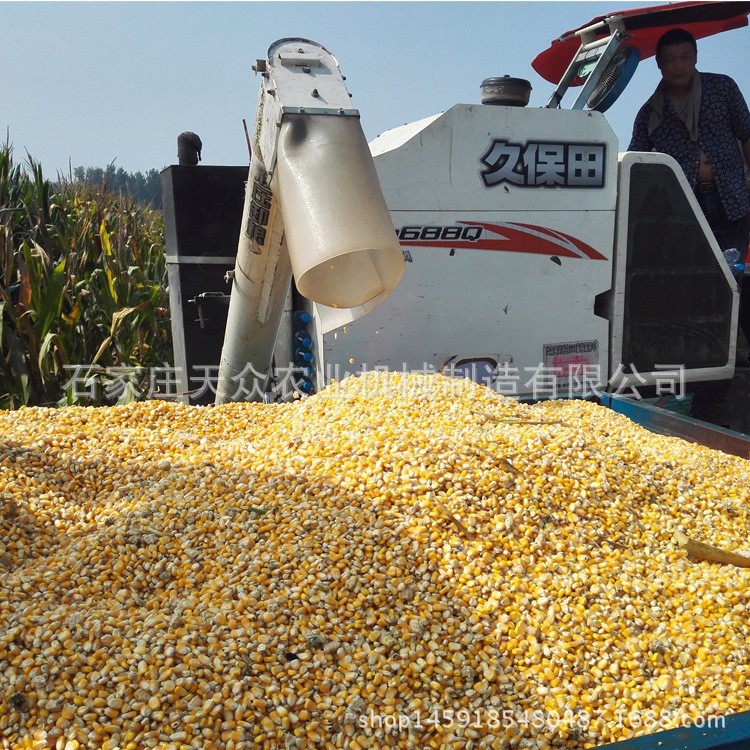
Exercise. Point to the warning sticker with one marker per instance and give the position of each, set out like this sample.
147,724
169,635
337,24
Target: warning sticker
572,362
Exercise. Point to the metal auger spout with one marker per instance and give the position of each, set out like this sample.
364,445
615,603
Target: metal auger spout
314,209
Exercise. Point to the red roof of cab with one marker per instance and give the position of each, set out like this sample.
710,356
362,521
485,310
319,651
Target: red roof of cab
644,26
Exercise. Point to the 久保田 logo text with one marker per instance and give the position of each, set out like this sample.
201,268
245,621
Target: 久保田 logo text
543,164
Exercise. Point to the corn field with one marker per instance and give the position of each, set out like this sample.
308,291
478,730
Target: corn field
83,288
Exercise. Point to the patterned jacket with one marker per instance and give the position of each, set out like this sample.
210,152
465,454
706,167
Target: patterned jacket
723,121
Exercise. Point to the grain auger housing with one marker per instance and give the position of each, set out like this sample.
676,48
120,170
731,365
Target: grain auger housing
313,210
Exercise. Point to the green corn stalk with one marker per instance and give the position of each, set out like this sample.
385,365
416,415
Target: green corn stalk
13,372
82,282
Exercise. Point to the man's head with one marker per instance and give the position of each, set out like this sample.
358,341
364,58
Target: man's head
676,55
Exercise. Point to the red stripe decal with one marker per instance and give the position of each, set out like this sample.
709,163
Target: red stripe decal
518,238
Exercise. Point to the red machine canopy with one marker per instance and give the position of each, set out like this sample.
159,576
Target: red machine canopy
644,26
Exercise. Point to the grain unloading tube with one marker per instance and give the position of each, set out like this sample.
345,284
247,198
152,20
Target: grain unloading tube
313,208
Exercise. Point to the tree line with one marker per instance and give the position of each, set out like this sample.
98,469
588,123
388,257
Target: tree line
144,189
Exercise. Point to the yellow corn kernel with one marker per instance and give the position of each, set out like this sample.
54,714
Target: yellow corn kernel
248,575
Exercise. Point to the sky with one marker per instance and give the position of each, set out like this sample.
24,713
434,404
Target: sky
93,83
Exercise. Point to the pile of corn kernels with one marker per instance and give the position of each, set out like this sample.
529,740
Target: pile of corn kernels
400,561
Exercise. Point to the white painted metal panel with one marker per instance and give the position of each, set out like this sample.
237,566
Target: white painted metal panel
503,269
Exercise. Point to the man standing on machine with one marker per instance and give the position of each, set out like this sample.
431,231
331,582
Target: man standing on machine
703,122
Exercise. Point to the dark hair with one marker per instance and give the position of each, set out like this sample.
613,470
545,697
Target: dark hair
675,36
